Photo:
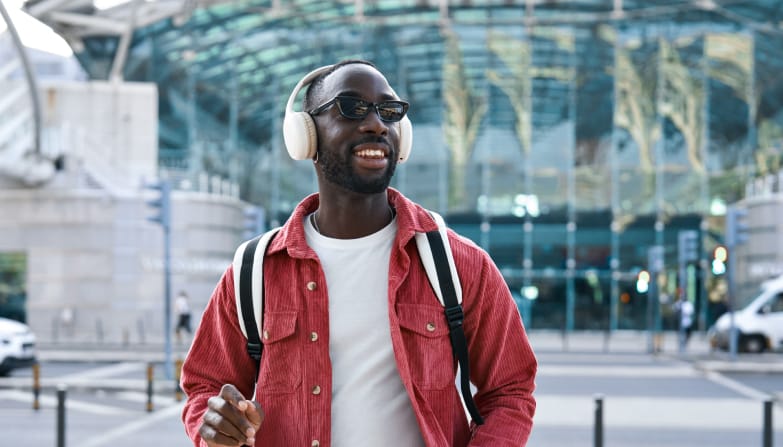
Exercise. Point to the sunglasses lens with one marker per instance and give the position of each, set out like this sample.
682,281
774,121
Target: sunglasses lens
390,111
354,108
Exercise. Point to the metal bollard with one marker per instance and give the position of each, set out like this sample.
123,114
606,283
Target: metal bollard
150,375
178,394
61,389
767,431
598,428
36,386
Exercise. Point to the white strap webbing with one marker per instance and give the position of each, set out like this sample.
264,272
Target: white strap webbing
425,253
257,284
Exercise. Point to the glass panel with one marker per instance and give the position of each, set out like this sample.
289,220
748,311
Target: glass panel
632,306
682,105
547,311
13,287
592,302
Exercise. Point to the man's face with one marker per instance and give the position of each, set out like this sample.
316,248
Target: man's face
359,155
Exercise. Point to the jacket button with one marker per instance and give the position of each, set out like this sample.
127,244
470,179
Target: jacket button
311,286
313,336
431,327
266,335
315,443
316,390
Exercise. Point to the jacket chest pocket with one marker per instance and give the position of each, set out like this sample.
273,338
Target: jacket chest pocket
426,338
281,360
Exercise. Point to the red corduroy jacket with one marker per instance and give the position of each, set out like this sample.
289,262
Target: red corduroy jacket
294,383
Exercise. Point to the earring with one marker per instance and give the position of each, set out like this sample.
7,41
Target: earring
315,160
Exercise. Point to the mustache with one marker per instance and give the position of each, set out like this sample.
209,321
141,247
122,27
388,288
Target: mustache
374,140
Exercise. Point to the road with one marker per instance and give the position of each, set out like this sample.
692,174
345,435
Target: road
649,400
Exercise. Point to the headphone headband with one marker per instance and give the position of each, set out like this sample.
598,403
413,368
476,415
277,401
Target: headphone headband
307,79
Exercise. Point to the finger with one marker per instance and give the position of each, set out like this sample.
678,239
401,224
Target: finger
232,395
214,438
254,414
227,419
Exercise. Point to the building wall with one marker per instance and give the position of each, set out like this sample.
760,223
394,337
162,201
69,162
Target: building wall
93,262
98,258
109,128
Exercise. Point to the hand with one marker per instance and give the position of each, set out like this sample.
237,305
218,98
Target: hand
230,419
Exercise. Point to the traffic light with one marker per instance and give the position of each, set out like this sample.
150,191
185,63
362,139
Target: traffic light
161,204
643,281
719,257
736,226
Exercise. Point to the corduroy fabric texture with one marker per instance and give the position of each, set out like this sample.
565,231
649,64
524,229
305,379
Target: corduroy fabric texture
294,385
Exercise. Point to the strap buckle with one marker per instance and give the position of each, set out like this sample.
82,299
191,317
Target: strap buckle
454,316
254,349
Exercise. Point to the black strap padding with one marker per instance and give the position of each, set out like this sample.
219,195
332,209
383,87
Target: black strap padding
455,317
254,346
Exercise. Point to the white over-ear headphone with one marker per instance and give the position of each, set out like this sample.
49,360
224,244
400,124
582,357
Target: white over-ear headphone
299,129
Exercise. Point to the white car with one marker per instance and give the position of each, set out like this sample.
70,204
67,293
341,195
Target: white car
759,325
17,345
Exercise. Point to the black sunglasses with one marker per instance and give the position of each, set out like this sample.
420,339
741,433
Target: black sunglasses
357,109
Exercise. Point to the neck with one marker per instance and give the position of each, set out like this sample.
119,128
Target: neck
349,219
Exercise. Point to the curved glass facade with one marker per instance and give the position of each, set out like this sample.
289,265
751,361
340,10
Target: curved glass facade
566,138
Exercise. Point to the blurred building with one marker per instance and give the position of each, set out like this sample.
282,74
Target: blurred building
576,141
78,259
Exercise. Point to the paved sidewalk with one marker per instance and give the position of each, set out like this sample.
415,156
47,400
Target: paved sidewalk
106,401
628,342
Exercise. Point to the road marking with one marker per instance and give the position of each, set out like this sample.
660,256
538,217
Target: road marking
732,414
128,430
107,371
157,399
636,372
734,385
71,404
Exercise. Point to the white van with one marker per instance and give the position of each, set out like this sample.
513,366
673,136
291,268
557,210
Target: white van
759,324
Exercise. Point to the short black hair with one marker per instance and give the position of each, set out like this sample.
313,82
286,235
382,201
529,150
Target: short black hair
318,82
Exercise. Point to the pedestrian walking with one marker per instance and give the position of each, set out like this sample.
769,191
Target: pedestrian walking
356,349
182,309
685,310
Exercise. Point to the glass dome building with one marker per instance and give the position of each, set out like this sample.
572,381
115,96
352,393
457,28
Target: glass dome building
582,143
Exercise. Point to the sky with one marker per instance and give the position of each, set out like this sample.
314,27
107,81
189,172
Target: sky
33,33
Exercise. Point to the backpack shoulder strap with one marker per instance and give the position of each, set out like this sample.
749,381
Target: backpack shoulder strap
430,264
249,289
436,256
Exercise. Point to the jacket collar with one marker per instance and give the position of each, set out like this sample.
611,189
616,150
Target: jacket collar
411,218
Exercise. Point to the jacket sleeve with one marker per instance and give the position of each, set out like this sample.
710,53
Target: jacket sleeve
502,362
217,356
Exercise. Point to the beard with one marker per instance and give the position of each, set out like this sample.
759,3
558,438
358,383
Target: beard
337,169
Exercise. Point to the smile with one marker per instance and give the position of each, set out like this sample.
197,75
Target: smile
371,153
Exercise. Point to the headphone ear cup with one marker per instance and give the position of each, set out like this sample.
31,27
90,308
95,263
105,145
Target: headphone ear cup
299,135
406,139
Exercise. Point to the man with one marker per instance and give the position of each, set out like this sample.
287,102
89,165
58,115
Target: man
182,309
356,346
686,310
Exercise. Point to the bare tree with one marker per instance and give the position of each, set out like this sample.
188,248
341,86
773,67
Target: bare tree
464,111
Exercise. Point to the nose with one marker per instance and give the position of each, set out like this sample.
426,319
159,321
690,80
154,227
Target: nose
373,123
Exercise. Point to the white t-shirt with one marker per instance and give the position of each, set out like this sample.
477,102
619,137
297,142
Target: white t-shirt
369,403
181,305
686,313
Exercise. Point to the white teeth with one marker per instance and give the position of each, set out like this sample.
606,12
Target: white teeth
371,153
